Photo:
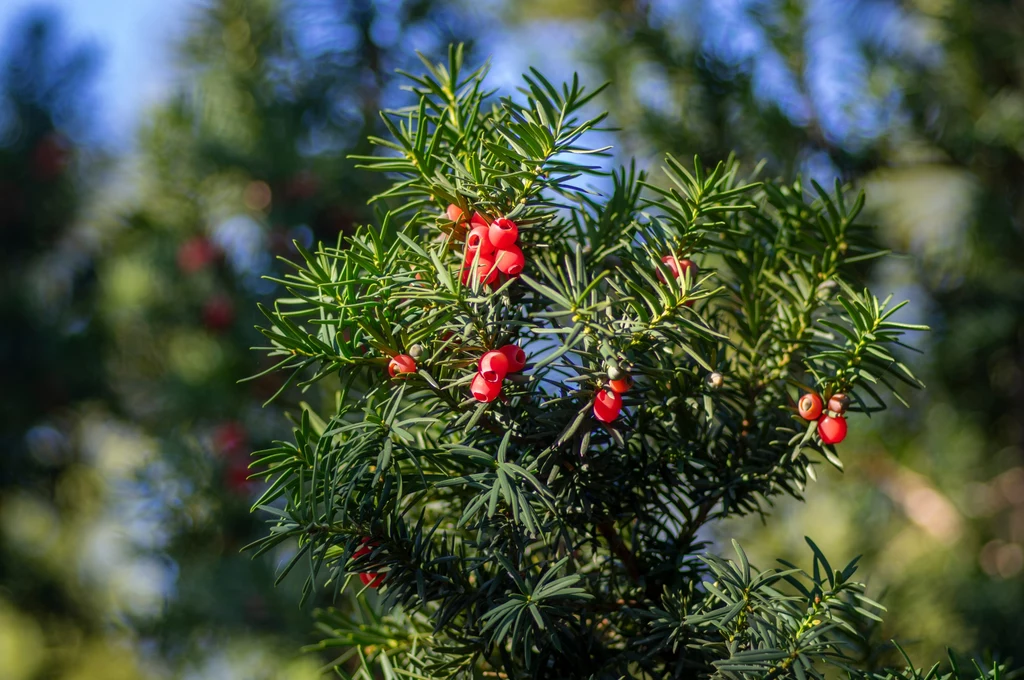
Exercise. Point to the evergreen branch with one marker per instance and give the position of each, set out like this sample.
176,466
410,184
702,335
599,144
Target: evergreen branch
494,526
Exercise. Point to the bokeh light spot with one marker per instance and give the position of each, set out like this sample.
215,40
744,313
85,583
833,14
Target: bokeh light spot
257,195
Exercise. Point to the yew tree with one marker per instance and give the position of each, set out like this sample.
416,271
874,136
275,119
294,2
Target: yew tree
545,380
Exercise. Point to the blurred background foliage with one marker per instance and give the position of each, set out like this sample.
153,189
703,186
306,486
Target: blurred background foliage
129,282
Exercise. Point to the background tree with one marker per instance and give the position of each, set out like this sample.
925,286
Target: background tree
48,344
236,167
125,335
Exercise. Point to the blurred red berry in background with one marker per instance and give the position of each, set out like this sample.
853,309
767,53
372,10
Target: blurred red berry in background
218,313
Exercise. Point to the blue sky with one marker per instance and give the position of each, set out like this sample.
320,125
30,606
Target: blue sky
134,38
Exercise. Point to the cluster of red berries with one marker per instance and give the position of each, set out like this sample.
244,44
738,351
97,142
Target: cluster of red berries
492,245
370,579
608,403
494,366
491,371
831,423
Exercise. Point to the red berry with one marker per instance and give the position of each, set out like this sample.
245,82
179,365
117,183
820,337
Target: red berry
832,430
678,267
503,233
483,390
370,579
236,476
620,386
607,406
401,363
454,213
229,438
516,357
218,313
478,220
485,270
365,549
494,366
478,240
810,406
688,266
510,260
195,253
51,157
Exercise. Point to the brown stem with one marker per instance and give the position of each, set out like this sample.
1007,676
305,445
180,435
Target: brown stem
618,546
700,519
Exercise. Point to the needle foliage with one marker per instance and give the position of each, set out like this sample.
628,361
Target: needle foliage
523,538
